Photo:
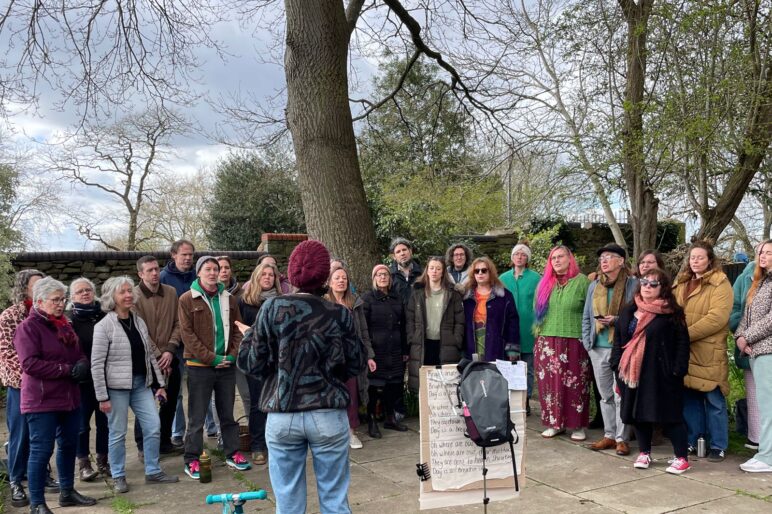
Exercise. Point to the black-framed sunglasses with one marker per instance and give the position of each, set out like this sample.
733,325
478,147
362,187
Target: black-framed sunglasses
650,283
481,271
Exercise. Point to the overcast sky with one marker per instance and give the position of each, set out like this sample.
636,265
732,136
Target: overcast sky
246,71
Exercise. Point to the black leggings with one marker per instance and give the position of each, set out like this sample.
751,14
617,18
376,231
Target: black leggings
675,431
389,395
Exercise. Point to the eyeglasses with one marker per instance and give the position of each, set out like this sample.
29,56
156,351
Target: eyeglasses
382,274
84,291
58,301
481,271
650,283
604,258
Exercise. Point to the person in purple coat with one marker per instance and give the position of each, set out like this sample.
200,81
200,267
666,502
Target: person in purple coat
492,325
53,365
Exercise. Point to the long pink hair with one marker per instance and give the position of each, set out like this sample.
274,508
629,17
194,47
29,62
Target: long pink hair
548,281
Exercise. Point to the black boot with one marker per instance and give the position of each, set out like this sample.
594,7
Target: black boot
52,486
372,428
102,465
85,471
18,495
392,424
73,498
40,508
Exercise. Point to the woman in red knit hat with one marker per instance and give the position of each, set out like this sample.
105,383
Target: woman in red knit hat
304,349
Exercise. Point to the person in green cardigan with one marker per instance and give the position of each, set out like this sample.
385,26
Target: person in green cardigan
521,282
562,363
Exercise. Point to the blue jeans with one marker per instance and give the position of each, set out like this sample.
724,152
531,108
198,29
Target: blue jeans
706,414
142,402
18,436
88,406
288,436
44,429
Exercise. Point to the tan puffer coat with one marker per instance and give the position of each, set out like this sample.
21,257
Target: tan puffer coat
707,316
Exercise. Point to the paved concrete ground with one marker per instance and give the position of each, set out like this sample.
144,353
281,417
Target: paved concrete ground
562,476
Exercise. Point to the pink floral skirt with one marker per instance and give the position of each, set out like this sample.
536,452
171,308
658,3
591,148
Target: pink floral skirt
563,372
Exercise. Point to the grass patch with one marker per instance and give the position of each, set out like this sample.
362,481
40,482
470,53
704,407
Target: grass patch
121,505
411,403
247,483
216,452
749,494
737,444
3,494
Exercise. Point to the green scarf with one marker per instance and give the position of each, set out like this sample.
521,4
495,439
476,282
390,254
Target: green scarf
213,302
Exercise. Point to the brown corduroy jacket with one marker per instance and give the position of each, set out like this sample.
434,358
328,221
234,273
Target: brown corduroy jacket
159,311
197,326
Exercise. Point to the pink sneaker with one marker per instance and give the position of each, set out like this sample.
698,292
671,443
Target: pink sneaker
643,461
238,461
678,466
192,468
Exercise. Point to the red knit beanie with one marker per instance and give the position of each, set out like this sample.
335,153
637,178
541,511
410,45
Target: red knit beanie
309,266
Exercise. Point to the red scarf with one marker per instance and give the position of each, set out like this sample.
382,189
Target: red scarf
632,357
64,331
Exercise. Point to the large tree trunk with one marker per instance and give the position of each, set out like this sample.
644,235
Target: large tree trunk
643,203
319,119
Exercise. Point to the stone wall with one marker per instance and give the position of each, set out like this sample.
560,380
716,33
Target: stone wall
101,265
583,239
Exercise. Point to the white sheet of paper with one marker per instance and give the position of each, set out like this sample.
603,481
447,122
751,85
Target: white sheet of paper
515,374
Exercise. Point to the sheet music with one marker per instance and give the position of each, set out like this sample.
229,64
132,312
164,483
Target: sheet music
514,373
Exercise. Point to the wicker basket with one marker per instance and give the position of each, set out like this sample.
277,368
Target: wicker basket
245,441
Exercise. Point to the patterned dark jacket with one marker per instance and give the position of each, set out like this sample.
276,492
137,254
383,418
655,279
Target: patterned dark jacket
304,348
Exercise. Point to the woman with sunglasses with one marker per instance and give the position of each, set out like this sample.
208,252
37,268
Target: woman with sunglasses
704,292
435,321
650,356
561,361
490,315
754,337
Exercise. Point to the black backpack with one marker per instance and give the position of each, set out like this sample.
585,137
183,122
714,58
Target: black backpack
483,396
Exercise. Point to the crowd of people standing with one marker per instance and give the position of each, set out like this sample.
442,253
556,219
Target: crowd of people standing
305,352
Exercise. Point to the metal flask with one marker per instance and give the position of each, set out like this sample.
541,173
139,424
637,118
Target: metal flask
702,448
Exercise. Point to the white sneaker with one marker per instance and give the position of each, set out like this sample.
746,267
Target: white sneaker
354,442
552,432
578,435
755,466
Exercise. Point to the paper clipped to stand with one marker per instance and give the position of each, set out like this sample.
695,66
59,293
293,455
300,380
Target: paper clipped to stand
514,373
